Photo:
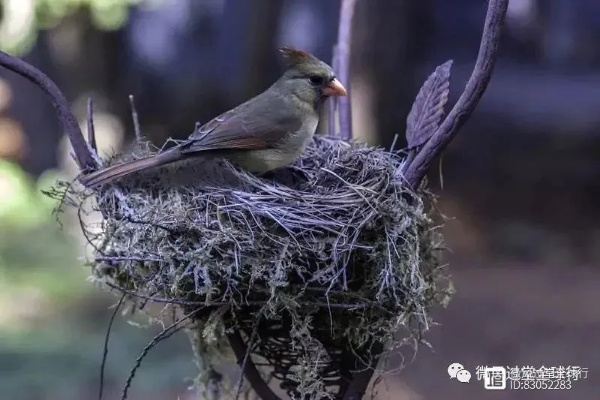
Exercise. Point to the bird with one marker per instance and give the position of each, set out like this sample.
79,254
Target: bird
268,132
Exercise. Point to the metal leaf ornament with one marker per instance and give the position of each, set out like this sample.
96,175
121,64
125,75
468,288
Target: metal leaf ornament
428,107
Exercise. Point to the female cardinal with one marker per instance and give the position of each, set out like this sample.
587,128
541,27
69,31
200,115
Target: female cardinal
267,132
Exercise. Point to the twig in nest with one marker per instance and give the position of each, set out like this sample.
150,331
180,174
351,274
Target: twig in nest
176,301
470,97
163,335
205,304
105,352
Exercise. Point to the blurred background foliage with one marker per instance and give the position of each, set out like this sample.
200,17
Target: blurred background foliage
52,323
521,180
23,19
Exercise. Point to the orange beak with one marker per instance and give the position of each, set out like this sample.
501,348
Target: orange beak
334,88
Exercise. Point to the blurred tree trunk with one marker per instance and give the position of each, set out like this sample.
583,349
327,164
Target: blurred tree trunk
558,39
391,41
247,46
88,57
260,55
90,61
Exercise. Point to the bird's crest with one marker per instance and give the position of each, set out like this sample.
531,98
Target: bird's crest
294,56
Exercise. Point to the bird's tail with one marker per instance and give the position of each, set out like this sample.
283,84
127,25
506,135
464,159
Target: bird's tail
109,174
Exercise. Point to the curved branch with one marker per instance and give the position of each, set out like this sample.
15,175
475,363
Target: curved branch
468,100
83,155
362,378
248,368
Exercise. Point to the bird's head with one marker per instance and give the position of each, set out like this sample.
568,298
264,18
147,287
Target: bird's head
309,78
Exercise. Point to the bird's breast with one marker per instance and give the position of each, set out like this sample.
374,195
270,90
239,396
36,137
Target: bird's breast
297,141
286,152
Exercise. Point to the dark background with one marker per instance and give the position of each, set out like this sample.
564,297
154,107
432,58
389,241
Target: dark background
520,182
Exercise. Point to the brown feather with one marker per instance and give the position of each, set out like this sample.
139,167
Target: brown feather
246,127
109,174
229,143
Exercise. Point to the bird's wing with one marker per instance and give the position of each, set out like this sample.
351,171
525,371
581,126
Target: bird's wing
244,127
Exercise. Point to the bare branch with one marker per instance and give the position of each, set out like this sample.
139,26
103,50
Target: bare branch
106,337
468,100
333,102
90,126
342,59
83,155
163,335
134,117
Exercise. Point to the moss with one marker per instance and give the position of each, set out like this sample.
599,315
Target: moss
336,252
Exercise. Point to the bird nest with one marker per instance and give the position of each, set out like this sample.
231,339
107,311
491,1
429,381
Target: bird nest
329,259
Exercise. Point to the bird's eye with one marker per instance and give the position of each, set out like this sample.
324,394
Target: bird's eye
316,80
